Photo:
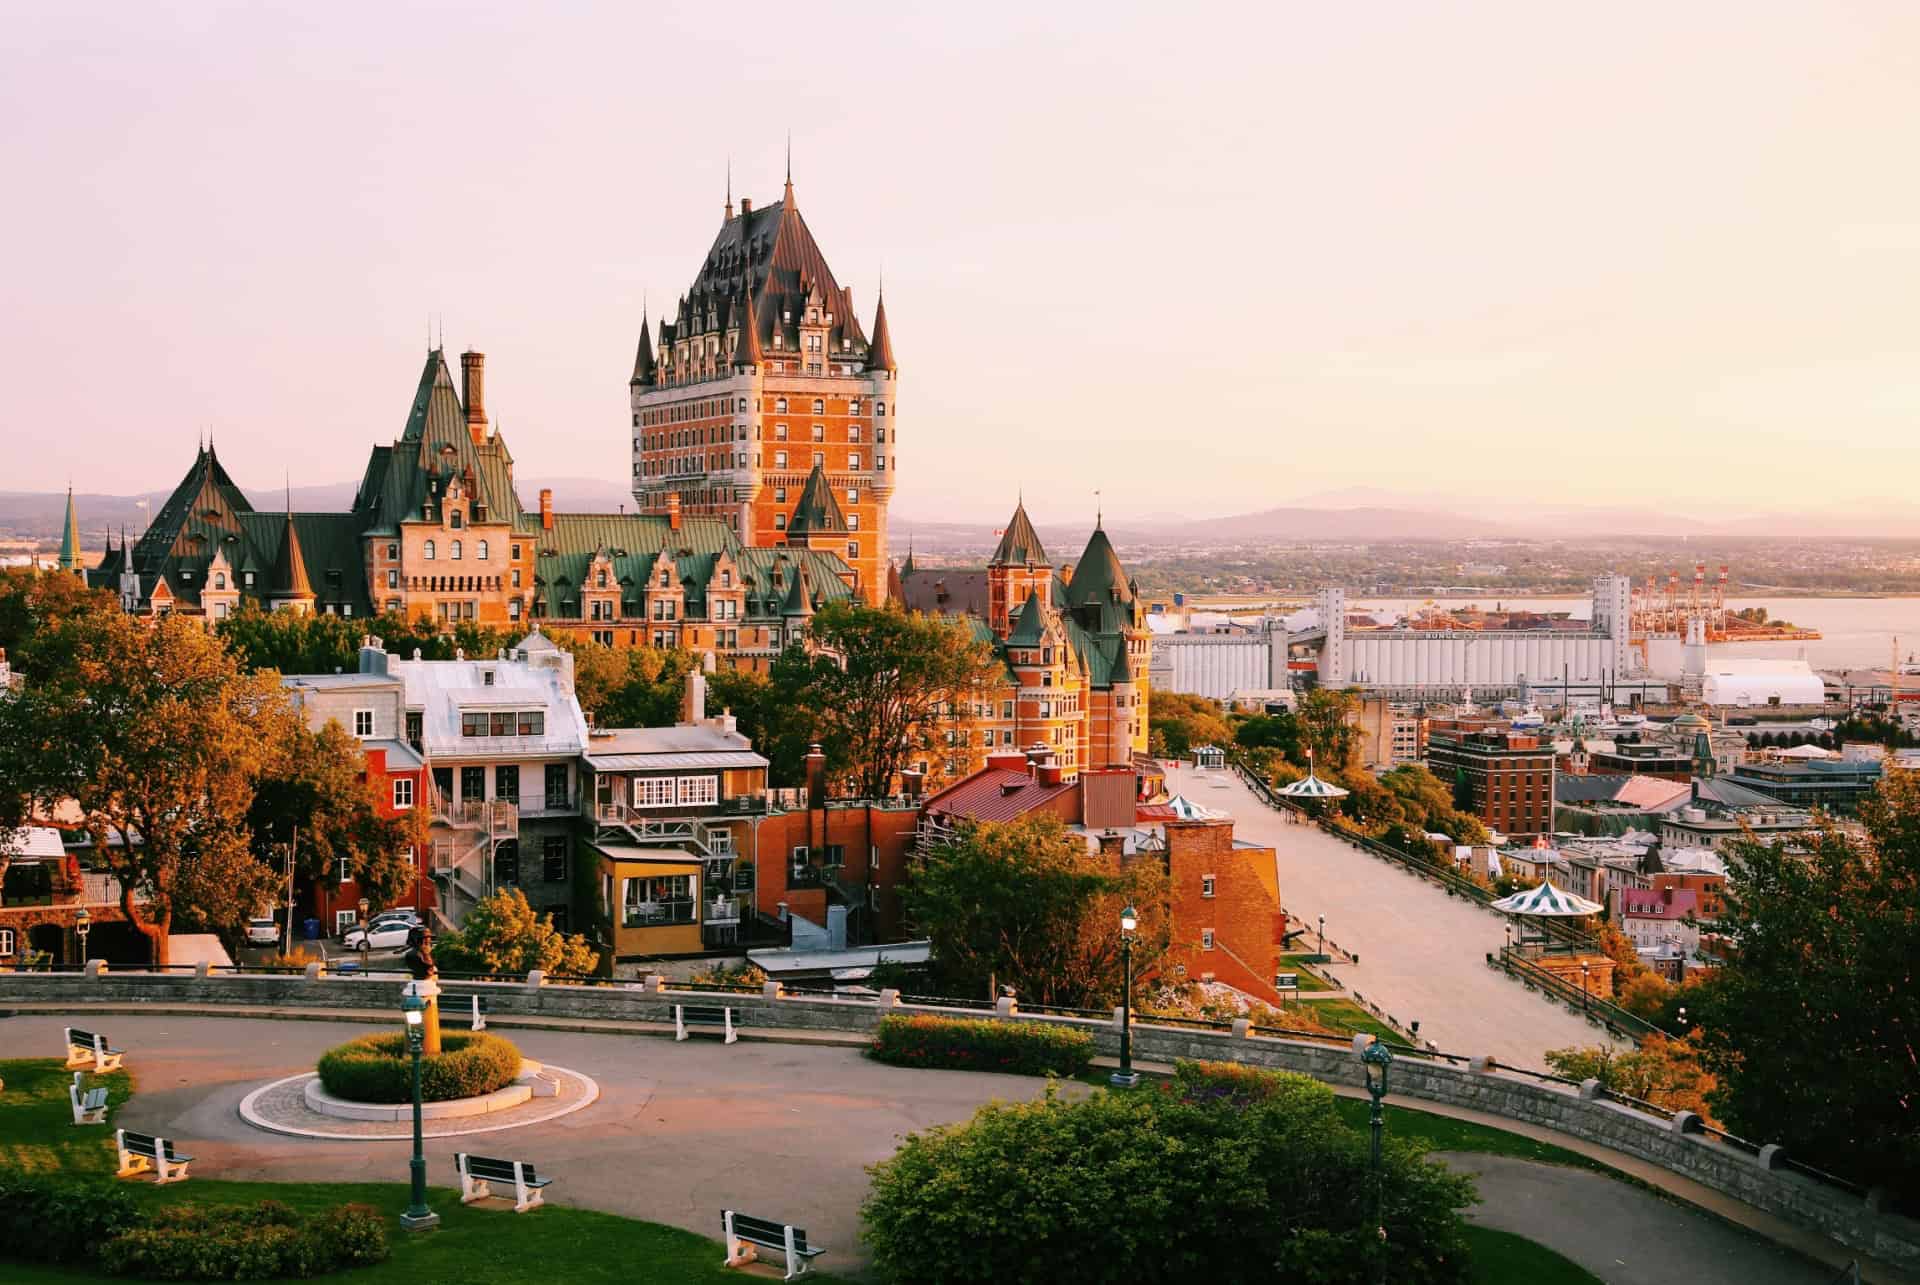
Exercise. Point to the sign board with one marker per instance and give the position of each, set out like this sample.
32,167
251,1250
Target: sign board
1287,982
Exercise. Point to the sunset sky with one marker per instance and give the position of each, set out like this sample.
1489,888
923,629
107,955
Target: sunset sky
1205,258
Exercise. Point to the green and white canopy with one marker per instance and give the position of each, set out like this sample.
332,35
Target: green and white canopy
1547,902
1311,786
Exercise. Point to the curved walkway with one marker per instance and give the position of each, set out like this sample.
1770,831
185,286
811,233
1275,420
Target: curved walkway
1422,953
682,1130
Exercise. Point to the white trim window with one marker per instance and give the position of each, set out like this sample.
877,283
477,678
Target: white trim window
652,791
699,791
1206,885
402,793
6,942
345,919
346,870
1206,939
363,724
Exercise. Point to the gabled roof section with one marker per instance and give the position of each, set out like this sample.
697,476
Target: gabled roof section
1098,576
435,399
435,448
1030,625
205,496
818,512
1019,544
798,602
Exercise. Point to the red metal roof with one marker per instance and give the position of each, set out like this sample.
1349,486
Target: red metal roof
983,796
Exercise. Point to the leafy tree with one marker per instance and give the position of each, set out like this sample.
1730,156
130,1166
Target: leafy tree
1184,721
292,643
1267,731
315,795
1326,719
1813,1025
502,934
1255,1179
1666,1072
1645,995
884,685
628,687
32,605
1025,904
159,740
776,711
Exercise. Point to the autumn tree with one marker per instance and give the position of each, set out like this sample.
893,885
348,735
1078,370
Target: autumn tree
503,934
1813,1024
1326,720
317,800
152,731
1025,904
777,712
1176,722
885,685
291,642
629,686
1666,1072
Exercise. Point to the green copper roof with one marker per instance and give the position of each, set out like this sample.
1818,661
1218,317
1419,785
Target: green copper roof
70,539
1019,544
1098,576
817,513
1029,625
798,601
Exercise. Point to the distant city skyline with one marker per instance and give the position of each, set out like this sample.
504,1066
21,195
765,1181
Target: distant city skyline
1653,258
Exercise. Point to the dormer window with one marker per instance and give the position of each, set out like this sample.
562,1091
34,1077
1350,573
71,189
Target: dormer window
726,579
219,579
601,579
246,578
453,519
666,578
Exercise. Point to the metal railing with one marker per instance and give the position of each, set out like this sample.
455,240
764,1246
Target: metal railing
1616,1019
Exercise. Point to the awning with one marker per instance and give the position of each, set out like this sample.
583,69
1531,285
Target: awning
1547,901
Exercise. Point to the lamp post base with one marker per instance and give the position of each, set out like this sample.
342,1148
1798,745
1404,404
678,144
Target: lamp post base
419,1222
1124,1079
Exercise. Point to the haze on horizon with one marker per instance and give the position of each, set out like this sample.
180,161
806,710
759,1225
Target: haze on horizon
1207,261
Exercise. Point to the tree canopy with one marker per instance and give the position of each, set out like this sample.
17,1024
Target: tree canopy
1177,722
502,934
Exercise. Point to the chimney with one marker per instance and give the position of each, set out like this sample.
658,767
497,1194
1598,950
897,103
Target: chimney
473,391
1113,844
1049,774
1009,761
746,206
912,782
546,508
816,767
673,510
694,709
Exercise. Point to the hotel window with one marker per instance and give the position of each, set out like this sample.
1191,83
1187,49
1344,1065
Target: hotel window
779,495
453,551
363,723
853,521
853,432
780,405
1206,885
246,578
482,552
853,550
393,551
779,432
653,792
880,462
516,553
779,459
453,519
427,551
393,579
819,432
516,577
853,495
853,408
880,408
853,461
819,459
779,521
1206,939
819,406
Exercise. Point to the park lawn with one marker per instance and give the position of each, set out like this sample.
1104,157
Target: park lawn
1309,980
1502,1258
37,1131
472,1246
1345,1015
1444,1133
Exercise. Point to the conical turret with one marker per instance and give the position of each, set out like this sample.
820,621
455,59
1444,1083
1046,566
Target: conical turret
70,540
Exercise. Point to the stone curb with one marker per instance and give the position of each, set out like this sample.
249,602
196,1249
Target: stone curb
248,1112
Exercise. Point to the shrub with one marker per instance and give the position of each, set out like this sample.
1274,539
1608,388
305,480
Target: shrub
1263,1183
58,1220
378,1068
259,1242
969,1044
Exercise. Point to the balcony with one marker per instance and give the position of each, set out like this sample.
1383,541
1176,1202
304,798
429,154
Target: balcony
563,803
655,914
497,818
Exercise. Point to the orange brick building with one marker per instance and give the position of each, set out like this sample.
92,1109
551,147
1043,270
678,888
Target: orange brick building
763,386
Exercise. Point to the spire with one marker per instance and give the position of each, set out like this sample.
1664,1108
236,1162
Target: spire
70,539
290,583
729,214
799,602
1019,543
1098,576
788,197
748,351
880,351
643,370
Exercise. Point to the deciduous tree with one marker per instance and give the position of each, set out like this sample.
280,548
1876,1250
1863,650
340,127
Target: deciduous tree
502,934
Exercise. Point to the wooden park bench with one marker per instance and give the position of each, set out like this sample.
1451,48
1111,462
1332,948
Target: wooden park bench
88,1051
764,1232
140,1152
89,1107
477,1173
685,1015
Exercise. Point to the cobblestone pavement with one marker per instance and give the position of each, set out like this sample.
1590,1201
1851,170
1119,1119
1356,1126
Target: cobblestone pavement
683,1130
1422,953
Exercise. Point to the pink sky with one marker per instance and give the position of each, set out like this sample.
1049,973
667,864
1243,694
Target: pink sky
1206,259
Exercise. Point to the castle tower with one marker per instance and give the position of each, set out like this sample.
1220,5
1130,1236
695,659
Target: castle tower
1017,571
762,375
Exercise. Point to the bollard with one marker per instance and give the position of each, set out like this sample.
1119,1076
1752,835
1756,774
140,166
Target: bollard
1119,1017
1241,1028
315,971
1770,1156
1590,1091
1482,1065
1005,1006
889,998
773,990
203,969
1685,1122
96,968
536,978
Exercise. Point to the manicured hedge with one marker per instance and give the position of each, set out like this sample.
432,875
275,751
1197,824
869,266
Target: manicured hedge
50,1219
378,1068
970,1044
264,1242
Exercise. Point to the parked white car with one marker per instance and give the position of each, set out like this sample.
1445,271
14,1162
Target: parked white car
381,934
263,932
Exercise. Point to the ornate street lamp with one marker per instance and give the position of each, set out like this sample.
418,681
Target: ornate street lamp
82,925
418,1217
1375,1059
1126,1077
1585,1002
1323,934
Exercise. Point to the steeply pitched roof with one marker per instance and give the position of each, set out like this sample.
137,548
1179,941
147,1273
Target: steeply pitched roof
880,355
1029,624
799,601
290,568
818,512
70,539
946,590
1019,543
435,448
643,356
205,495
1098,576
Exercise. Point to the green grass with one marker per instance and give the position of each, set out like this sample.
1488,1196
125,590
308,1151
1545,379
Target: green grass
1309,980
37,1131
1502,1258
472,1246
1345,1015
1444,1133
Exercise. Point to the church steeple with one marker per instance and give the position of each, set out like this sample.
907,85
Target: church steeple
70,540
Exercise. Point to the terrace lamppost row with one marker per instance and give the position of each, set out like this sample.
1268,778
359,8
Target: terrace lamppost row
1375,1059
1126,1077
418,1217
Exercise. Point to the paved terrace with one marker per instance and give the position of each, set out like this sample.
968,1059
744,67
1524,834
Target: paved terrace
1422,953
787,1130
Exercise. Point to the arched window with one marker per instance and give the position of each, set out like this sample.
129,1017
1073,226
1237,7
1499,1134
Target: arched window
427,552
482,554
454,551
219,579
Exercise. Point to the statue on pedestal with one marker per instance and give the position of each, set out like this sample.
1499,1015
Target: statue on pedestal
419,961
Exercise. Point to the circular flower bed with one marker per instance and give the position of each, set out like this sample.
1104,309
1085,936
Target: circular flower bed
378,1068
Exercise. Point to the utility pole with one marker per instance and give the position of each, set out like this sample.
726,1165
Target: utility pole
287,933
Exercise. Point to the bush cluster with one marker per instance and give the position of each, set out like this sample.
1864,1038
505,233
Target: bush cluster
262,1242
378,1068
970,1044
1217,1178
50,1219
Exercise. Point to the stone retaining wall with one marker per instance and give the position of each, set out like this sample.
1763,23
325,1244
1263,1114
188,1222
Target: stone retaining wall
1790,1196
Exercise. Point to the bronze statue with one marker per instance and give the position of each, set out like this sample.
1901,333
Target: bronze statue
419,956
